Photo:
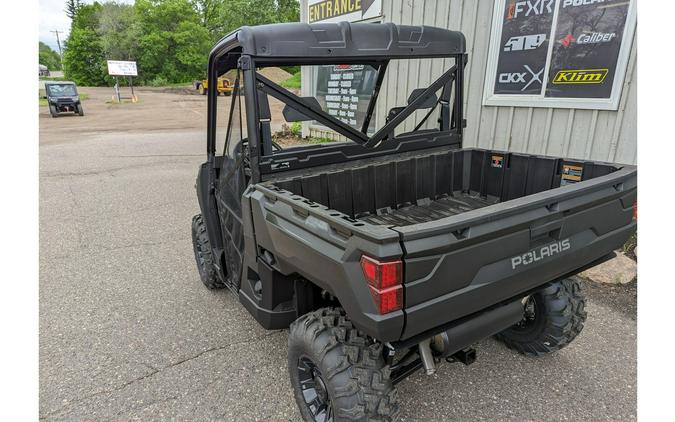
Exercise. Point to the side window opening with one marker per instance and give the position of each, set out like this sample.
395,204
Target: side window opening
236,128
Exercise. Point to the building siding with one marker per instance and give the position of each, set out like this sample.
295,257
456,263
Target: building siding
600,135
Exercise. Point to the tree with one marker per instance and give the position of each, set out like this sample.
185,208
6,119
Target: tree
209,14
71,8
119,29
84,60
49,57
174,44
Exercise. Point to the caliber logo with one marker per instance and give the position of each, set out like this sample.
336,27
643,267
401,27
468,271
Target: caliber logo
525,42
536,255
580,76
567,40
529,8
521,77
595,37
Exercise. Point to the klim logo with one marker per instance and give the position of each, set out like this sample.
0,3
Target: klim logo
580,76
536,255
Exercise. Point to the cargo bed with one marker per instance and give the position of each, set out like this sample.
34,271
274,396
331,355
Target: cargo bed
426,187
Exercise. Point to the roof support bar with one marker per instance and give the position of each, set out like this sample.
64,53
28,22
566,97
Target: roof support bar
414,105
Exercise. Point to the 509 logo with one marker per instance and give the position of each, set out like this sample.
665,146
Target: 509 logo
536,255
580,76
524,42
521,77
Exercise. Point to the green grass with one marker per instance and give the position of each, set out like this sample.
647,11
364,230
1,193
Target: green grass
293,82
53,78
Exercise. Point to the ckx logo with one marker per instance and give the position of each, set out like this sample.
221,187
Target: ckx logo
525,42
529,8
521,77
538,254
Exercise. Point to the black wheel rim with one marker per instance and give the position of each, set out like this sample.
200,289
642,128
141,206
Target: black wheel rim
314,391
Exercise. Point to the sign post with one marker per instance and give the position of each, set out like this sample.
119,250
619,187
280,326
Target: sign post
123,68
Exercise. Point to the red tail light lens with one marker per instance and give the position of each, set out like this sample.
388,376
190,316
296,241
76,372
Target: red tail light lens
635,211
385,281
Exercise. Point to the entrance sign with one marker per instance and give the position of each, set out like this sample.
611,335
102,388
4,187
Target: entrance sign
122,68
342,10
559,53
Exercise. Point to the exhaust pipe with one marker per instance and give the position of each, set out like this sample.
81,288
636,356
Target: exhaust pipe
468,331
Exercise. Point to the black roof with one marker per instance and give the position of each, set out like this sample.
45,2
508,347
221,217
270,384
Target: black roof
359,41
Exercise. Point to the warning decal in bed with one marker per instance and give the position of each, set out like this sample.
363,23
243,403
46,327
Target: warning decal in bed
497,161
571,174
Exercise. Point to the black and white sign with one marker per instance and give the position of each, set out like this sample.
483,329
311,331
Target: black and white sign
559,53
122,68
345,90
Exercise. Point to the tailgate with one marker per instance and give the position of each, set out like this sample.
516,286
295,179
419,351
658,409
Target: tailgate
459,265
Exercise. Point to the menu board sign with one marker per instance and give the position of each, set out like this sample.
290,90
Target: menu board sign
555,53
345,90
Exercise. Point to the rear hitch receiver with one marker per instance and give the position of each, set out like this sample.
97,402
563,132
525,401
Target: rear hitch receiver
466,356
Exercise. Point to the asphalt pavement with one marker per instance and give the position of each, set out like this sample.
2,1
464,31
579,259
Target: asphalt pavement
128,332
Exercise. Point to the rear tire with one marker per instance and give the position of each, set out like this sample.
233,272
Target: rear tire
203,254
554,317
337,372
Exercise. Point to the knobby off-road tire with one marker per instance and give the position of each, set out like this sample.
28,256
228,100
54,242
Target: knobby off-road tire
52,110
203,255
554,317
345,368
80,110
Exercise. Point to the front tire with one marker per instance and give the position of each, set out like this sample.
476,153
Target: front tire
80,110
202,90
203,254
52,110
554,317
338,373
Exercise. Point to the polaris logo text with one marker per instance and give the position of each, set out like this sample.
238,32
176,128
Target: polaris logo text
536,255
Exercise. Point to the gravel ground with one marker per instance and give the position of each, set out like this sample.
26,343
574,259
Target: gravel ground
127,331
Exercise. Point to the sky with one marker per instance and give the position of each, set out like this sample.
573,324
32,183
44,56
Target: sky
53,17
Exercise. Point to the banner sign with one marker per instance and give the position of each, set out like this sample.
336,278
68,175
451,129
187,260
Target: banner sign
551,53
122,68
342,10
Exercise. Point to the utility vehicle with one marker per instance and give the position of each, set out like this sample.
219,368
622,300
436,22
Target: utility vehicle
62,97
395,248
224,85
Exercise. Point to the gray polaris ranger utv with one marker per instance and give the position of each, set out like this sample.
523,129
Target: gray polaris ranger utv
395,248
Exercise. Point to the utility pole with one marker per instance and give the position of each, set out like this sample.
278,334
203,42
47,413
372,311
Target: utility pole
58,42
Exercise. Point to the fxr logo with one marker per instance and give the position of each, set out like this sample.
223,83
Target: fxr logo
529,7
541,253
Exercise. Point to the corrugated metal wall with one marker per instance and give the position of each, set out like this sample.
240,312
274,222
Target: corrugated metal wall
586,134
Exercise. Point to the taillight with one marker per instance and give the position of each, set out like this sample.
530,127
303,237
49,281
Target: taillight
635,211
385,282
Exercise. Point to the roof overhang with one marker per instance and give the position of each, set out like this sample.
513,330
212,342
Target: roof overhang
348,42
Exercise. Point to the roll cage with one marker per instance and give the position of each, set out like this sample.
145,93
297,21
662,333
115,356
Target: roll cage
249,48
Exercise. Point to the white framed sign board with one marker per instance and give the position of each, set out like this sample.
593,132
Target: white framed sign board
122,68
